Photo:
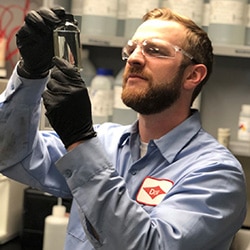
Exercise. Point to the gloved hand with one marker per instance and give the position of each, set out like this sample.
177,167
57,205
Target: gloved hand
67,104
35,42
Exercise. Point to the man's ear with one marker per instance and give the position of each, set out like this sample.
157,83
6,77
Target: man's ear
194,75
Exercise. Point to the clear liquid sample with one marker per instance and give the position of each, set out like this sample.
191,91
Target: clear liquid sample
67,44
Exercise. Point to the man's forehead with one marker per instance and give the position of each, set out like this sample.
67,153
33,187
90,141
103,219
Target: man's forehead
164,29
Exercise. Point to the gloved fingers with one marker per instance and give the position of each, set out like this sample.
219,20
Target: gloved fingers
70,72
35,21
59,87
59,11
25,32
52,17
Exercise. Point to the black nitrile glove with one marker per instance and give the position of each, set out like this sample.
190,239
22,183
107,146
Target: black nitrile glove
67,104
35,42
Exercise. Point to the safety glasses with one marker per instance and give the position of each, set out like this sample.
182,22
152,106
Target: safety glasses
154,48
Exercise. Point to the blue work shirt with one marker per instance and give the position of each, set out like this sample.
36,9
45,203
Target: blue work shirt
187,192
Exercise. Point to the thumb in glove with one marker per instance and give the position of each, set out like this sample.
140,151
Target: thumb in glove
67,104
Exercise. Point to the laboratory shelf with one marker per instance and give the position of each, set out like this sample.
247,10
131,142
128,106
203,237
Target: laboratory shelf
219,49
103,41
231,50
240,148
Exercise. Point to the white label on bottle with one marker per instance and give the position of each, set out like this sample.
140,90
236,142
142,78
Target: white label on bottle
191,9
137,8
100,103
248,16
206,15
118,103
106,8
244,129
77,7
122,9
164,3
227,12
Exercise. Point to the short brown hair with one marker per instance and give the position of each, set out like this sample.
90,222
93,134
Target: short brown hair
197,42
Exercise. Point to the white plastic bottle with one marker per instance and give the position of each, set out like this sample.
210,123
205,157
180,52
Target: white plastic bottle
121,17
121,113
206,15
88,71
135,11
223,136
247,36
66,4
101,95
191,9
99,17
227,21
244,123
55,228
77,11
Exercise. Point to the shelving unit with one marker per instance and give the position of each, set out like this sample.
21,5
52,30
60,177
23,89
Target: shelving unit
232,50
240,148
103,41
118,42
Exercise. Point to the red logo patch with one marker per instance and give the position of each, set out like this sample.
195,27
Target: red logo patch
153,191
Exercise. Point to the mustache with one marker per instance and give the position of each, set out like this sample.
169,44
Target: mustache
135,71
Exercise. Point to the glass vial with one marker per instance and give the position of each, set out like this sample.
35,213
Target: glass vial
67,43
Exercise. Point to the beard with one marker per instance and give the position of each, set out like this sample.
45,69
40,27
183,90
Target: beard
154,98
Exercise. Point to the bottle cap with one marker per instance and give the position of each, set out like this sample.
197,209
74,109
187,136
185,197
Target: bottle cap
104,72
58,211
246,108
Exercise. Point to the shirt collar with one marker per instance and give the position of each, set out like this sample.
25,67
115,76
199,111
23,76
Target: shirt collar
171,143
130,131
174,141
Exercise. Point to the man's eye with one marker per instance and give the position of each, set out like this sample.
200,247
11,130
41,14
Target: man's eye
130,50
159,51
154,51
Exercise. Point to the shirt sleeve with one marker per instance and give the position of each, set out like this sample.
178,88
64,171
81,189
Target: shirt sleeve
27,154
192,216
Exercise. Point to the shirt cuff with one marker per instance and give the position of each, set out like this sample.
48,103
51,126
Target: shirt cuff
83,163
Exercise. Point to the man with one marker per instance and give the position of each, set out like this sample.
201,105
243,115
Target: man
162,183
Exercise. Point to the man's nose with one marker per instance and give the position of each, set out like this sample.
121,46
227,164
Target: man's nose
137,56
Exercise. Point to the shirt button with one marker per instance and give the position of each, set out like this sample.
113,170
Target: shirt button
134,172
67,173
